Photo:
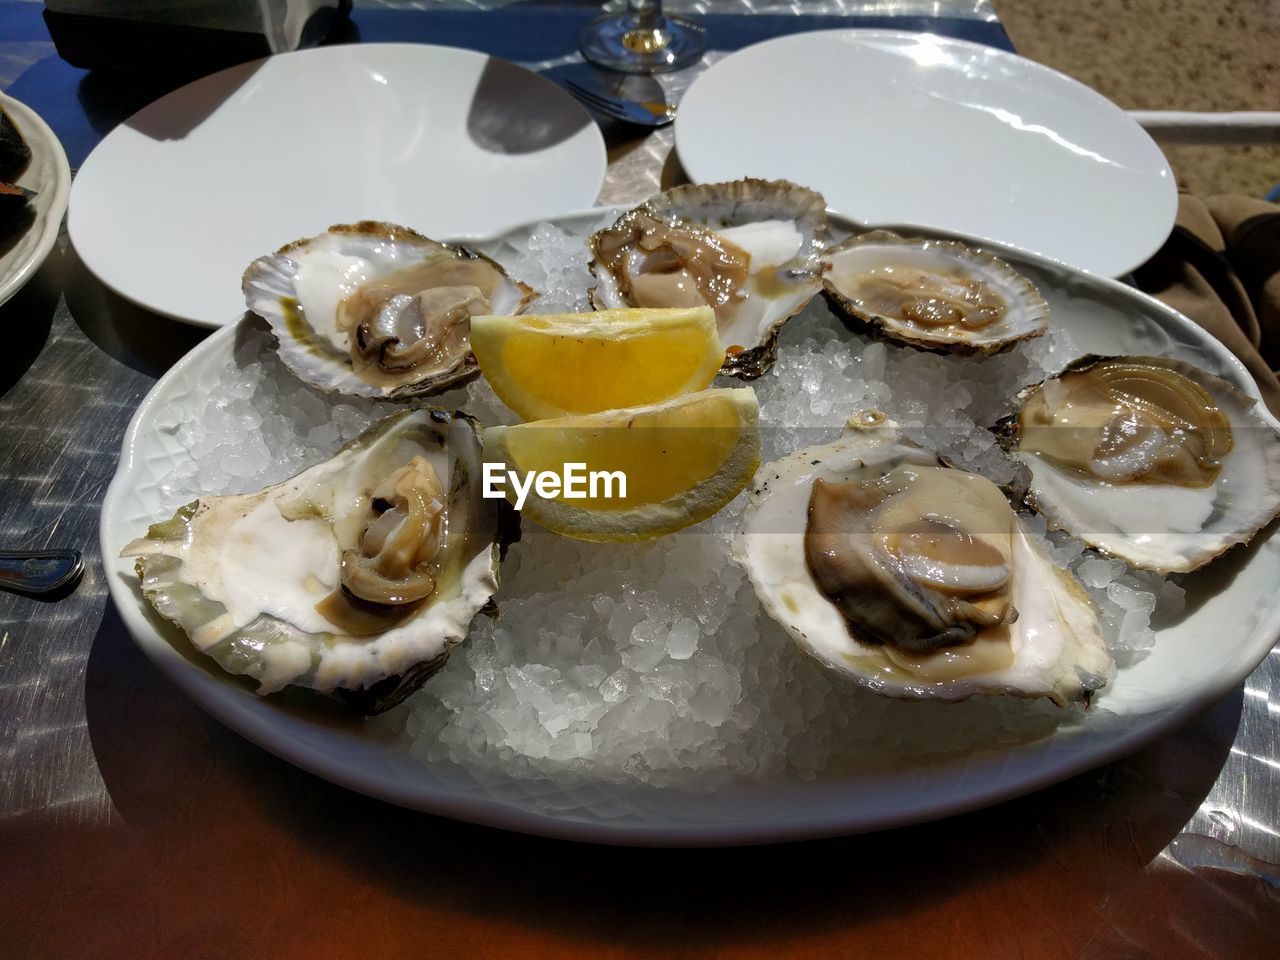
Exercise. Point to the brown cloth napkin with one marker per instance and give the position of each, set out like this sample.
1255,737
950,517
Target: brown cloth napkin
1221,267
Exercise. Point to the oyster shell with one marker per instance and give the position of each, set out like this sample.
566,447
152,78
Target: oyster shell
377,310
934,294
913,578
356,577
1148,459
750,249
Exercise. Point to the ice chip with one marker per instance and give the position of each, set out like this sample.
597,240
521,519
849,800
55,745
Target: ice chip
1096,572
683,640
873,361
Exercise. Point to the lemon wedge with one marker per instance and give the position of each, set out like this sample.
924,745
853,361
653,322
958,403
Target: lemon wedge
629,474
557,364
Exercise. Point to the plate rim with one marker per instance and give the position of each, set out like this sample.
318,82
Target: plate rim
1005,773
334,50
56,205
870,33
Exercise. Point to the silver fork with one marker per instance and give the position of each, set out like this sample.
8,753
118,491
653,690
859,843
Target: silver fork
645,113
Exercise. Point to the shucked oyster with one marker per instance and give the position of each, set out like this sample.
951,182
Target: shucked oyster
355,577
748,249
934,294
377,310
913,578
1147,459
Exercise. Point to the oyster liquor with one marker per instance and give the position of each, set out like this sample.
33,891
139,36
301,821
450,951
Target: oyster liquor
573,482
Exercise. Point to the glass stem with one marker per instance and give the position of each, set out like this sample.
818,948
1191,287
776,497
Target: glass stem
645,11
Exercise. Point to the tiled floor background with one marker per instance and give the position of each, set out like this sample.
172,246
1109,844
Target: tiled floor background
1168,55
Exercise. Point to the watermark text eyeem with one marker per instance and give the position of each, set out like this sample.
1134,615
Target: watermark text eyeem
574,482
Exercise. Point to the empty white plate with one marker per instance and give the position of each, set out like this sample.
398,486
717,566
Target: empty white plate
897,127
176,201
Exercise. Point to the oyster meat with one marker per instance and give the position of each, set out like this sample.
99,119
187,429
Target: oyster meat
750,250
934,294
913,578
356,577
376,310
1148,459
15,152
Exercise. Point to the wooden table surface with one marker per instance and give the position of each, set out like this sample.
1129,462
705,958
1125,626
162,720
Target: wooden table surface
212,848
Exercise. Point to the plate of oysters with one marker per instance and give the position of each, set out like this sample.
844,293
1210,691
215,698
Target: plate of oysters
890,524
34,182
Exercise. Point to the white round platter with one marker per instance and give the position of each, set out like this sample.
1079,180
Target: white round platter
1228,627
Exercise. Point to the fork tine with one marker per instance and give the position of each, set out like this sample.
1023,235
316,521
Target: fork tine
580,91
584,90
597,102
655,114
619,109
602,108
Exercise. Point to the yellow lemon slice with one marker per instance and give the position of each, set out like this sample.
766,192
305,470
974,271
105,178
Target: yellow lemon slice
628,474
557,364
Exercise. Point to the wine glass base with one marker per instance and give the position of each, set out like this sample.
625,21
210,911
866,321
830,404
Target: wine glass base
656,44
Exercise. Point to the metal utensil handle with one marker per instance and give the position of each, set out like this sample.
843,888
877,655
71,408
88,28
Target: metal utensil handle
1232,128
39,571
